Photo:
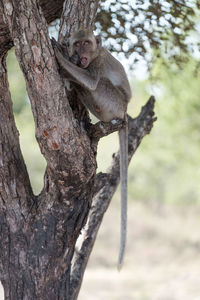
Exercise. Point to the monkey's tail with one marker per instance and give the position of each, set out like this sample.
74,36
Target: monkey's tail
123,138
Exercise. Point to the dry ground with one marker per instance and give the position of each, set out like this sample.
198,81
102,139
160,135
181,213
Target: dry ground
162,260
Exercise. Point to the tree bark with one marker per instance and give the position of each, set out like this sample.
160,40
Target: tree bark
38,234
50,227
51,9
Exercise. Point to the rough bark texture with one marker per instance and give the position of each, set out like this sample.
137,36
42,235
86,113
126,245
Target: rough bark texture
77,14
51,9
47,234
38,233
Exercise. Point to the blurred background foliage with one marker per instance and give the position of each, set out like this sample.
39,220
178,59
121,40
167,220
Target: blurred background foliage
136,27
166,166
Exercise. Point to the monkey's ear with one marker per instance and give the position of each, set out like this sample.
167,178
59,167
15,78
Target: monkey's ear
99,41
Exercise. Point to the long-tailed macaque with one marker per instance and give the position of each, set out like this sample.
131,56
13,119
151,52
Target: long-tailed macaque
104,89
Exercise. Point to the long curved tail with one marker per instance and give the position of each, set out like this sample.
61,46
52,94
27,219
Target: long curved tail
123,139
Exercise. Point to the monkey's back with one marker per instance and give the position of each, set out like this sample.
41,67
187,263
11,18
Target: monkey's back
110,98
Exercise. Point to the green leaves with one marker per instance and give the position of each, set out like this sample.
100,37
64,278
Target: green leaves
145,25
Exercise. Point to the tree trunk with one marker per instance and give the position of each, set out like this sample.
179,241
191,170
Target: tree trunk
38,233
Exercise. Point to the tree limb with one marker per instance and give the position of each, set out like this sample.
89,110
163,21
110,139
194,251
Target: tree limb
14,179
71,21
56,130
100,181
101,129
51,9
138,128
45,240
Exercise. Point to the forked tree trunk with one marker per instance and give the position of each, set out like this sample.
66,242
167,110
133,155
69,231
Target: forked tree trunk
38,233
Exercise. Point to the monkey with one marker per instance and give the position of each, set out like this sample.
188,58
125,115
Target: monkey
104,89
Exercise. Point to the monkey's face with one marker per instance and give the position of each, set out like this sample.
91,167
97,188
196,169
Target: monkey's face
86,50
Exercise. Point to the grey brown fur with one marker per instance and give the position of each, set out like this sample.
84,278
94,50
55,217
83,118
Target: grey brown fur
103,86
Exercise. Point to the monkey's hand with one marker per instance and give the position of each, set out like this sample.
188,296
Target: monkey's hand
61,48
60,57
55,45
75,59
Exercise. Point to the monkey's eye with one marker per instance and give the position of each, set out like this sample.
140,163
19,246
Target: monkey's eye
86,43
77,44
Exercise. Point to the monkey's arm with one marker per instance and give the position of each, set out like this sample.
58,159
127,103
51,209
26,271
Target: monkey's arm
76,74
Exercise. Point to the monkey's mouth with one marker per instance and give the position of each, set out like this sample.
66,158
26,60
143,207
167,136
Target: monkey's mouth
84,61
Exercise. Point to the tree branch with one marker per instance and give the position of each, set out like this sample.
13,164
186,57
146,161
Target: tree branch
51,9
45,240
138,128
101,129
71,20
14,179
101,180
56,130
